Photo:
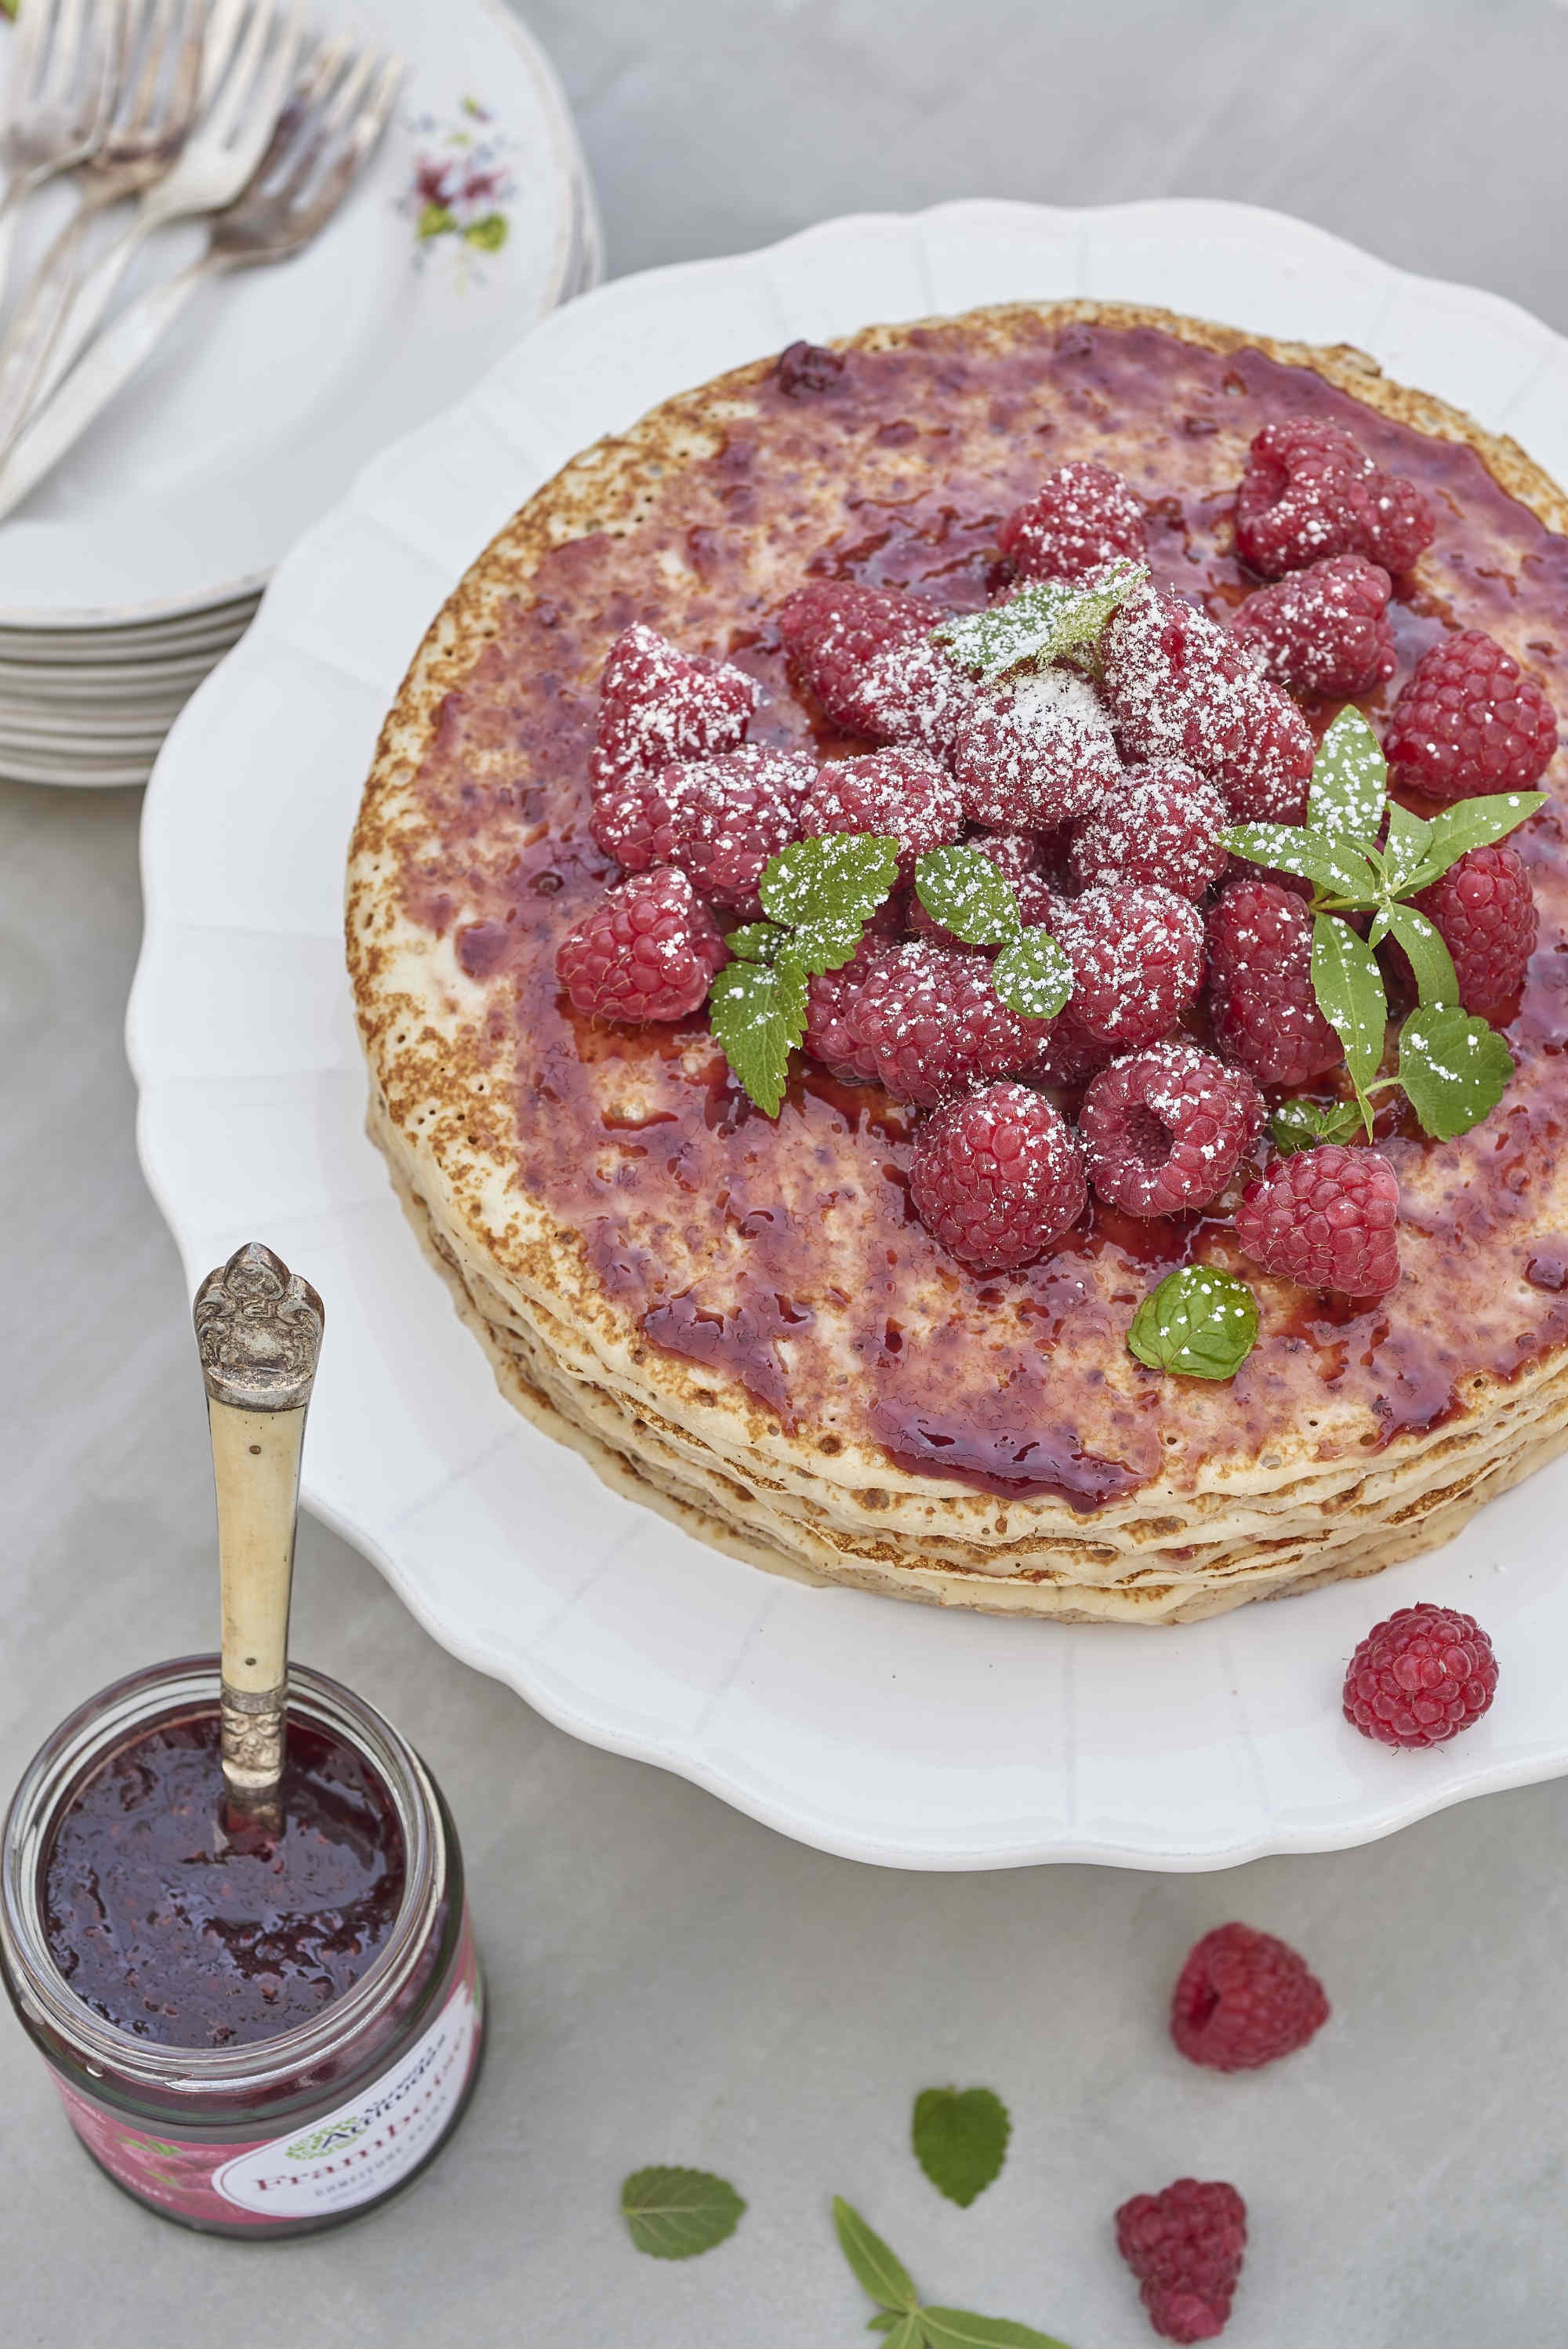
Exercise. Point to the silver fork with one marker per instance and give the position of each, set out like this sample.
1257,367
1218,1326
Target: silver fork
65,74
150,122
329,129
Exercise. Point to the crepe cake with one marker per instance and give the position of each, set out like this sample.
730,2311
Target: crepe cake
740,1320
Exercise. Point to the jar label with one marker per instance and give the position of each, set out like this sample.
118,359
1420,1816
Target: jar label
343,2159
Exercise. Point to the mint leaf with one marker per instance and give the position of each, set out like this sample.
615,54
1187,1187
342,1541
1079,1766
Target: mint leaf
1042,622
1350,995
1033,976
886,2320
839,876
1472,823
673,2214
962,889
1436,980
1303,1124
1335,866
1200,1322
960,2328
758,1011
756,941
1454,1069
1409,840
1349,782
820,946
880,2270
960,2140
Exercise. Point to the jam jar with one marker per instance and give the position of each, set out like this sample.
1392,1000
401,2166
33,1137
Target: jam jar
256,2034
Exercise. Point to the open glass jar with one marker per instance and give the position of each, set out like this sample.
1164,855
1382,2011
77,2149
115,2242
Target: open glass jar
285,2135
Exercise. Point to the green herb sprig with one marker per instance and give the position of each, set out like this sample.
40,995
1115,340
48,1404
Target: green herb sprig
962,890
1201,1321
1049,620
903,2321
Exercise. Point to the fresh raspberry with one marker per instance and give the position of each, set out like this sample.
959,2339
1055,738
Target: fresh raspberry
1242,2000
1037,754
1018,857
1180,687
658,703
1185,2245
900,794
806,367
1324,629
1136,955
1261,996
1467,719
1082,516
1165,1129
1329,1218
1070,1055
1308,491
934,1025
998,1178
1485,909
828,999
1422,1677
866,654
647,950
719,820
1163,825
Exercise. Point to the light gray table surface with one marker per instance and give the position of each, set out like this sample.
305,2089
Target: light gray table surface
671,1982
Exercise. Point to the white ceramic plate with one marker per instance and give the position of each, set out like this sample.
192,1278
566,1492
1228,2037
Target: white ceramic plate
889,1732
254,417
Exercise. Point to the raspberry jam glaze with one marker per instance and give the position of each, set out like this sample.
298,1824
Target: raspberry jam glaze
785,1257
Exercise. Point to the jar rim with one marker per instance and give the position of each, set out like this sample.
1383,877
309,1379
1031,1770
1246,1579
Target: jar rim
81,1742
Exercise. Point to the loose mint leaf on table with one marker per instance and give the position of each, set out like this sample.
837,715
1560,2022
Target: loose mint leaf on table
1201,1323
960,2140
673,2214
1349,782
836,877
960,2328
1303,1124
1350,995
962,890
1335,866
1454,1069
758,1011
1043,622
1436,980
1033,976
880,2270
1470,823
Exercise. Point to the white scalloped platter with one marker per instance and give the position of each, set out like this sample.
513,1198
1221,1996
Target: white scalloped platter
888,1732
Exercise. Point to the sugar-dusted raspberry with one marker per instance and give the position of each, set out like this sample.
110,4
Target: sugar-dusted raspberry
647,950
1485,909
1164,1130
1422,1677
901,794
1179,686
1018,856
658,703
803,369
1163,825
1469,721
1136,955
1261,996
1082,516
1243,1999
1070,1055
828,999
1309,491
1185,2245
866,654
1324,629
719,819
934,1024
1329,1218
998,1178
1035,754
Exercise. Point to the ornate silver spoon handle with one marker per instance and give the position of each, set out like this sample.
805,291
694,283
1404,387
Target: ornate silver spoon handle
258,1331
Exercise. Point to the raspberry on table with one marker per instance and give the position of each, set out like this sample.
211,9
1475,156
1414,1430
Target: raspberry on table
1185,2245
866,654
647,950
932,1024
804,368
998,1178
1081,517
828,1037
1324,629
1261,997
1019,857
1243,1999
903,794
1036,754
1468,720
1484,907
1136,954
1164,1130
1328,1219
719,819
1422,1677
1309,491
1179,686
1163,825
658,703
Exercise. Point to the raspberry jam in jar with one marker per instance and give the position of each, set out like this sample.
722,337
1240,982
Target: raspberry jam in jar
258,2028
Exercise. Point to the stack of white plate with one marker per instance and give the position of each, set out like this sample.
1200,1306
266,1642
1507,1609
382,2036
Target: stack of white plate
140,562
